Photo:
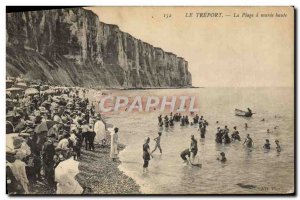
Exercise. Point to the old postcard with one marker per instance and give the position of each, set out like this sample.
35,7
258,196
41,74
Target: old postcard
150,100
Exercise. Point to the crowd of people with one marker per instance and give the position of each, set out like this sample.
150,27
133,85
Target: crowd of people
45,128
222,137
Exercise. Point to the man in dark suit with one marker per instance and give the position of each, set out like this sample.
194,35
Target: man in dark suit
48,155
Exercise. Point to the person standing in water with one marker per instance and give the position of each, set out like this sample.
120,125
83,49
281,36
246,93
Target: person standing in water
235,135
185,153
278,148
157,145
146,154
191,152
249,142
159,119
194,147
267,146
202,130
114,151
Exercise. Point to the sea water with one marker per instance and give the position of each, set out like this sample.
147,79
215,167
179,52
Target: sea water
256,171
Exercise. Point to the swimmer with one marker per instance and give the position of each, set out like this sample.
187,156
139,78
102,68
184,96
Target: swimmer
267,145
249,142
223,158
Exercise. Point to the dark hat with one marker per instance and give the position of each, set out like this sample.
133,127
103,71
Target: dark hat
116,129
98,117
222,154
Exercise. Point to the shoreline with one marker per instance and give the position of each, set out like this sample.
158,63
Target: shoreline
99,175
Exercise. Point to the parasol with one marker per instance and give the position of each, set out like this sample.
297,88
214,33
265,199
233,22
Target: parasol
31,91
49,91
14,89
21,85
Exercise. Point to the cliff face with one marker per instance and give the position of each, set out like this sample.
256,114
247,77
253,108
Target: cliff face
72,47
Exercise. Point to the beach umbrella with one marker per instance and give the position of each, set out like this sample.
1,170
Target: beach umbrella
31,91
14,89
44,126
21,85
49,91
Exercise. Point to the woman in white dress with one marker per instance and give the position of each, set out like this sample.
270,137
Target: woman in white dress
99,129
114,152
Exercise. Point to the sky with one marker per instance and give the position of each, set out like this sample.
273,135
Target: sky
222,50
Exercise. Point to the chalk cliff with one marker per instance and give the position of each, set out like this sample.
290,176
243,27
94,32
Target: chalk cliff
73,47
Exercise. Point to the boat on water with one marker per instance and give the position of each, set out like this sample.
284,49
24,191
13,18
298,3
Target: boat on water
242,113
